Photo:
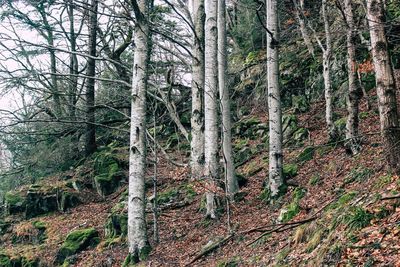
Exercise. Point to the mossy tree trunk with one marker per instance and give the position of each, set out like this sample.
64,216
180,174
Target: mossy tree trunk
385,84
137,230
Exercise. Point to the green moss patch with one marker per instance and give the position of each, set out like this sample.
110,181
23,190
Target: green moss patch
306,155
77,241
290,170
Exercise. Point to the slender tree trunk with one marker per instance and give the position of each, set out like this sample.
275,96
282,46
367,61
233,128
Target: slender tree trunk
326,62
137,231
196,121
230,178
385,84
302,25
90,140
73,64
210,104
53,62
276,182
354,93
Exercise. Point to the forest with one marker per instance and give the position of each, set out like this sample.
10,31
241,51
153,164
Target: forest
199,133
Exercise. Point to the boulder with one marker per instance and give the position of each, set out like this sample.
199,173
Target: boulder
76,242
14,202
40,200
108,175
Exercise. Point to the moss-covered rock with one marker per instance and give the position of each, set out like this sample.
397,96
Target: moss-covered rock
300,135
340,127
41,200
77,241
116,225
289,125
68,200
4,227
306,155
291,210
300,104
5,260
290,170
108,174
14,202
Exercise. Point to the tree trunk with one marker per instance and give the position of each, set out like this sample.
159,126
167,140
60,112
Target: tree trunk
196,121
276,181
137,231
354,93
385,85
232,185
90,140
210,104
326,62
73,64
302,25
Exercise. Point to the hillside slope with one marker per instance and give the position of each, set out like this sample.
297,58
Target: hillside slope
339,210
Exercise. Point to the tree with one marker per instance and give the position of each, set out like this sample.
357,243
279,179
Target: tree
90,137
354,92
210,104
230,178
385,84
196,121
276,182
137,231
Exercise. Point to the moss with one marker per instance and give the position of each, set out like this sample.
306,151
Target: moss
358,218
130,260
229,263
306,155
167,196
77,241
144,253
300,135
363,115
5,261
383,180
116,225
290,170
359,174
282,255
343,200
315,240
15,202
252,168
291,210
315,180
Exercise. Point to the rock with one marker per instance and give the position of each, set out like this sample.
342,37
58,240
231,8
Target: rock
242,155
40,201
116,225
300,104
108,175
300,135
289,126
77,241
4,227
68,200
14,202
289,171
306,155
340,126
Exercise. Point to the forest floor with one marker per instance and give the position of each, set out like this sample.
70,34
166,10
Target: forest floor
341,219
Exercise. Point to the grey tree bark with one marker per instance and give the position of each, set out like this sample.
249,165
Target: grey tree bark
196,121
299,10
354,92
232,185
137,230
385,84
210,105
90,134
276,182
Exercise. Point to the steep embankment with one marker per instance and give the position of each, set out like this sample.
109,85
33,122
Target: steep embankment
337,209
